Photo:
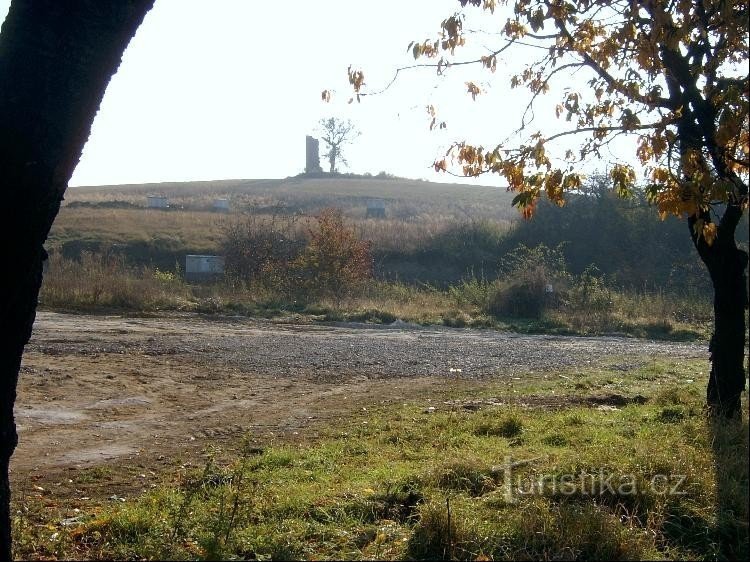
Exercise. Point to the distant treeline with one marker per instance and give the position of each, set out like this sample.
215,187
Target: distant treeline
624,239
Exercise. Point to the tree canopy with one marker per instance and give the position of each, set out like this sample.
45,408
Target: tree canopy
671,72
336,133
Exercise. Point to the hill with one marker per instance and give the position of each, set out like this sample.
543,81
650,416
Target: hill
405,198
420,215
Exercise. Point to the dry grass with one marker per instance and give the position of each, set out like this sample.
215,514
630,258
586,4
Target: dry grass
105,281
100,281
194,228
202,230
404,198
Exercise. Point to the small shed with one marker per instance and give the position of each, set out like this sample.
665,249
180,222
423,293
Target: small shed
375,209
203,268
221,205
157,202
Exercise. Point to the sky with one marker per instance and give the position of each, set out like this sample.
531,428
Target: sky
226,89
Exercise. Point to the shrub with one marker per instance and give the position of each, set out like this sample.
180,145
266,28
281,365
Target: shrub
590,292
335,261
258,246
526,274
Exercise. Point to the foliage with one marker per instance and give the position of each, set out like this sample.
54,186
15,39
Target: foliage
335,261
590,291
254,245
671,75
622,238
530,281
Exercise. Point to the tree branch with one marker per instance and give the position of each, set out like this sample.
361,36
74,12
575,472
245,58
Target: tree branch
436,65
608,78
608,128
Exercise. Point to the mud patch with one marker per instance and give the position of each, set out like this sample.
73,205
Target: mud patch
50,416
128,401
96,455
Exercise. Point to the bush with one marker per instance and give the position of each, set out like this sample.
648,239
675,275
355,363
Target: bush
335,261
590,292
527,274
261,246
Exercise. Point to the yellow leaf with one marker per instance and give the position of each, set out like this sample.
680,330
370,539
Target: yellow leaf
709,233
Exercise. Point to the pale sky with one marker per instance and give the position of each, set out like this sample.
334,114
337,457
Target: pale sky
218,89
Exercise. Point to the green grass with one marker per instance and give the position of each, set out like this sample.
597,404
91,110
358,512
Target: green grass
651,478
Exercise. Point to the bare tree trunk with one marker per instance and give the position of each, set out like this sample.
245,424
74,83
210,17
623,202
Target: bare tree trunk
56,59
332,160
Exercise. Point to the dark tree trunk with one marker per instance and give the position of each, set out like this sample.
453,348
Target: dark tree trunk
56,59
726,265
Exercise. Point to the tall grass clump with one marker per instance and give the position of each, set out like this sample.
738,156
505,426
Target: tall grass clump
529,283
104,280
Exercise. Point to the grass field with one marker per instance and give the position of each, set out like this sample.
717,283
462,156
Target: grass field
420,217
598,464
404,198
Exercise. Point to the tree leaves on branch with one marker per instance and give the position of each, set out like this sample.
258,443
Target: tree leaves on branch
671,73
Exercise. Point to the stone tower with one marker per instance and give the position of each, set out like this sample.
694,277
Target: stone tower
312,155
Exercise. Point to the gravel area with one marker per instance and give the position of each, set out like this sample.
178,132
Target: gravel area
278,350
110,389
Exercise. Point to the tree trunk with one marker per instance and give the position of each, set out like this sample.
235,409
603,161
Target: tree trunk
332,160
726,265
727,379
56,59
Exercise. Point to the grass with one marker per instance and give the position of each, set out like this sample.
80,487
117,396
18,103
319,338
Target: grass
434,232
107,283
405,199
651,478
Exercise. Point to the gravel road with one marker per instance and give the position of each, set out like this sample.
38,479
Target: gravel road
335,352
98,389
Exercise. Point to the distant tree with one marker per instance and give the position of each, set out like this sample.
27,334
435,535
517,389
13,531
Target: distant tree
56,59
671,74
337,133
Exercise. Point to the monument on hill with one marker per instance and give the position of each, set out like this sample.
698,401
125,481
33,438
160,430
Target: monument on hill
312,155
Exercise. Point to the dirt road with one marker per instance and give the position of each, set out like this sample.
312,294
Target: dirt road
99,388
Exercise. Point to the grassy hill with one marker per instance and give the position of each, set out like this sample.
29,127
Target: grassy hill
405,199
95,217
